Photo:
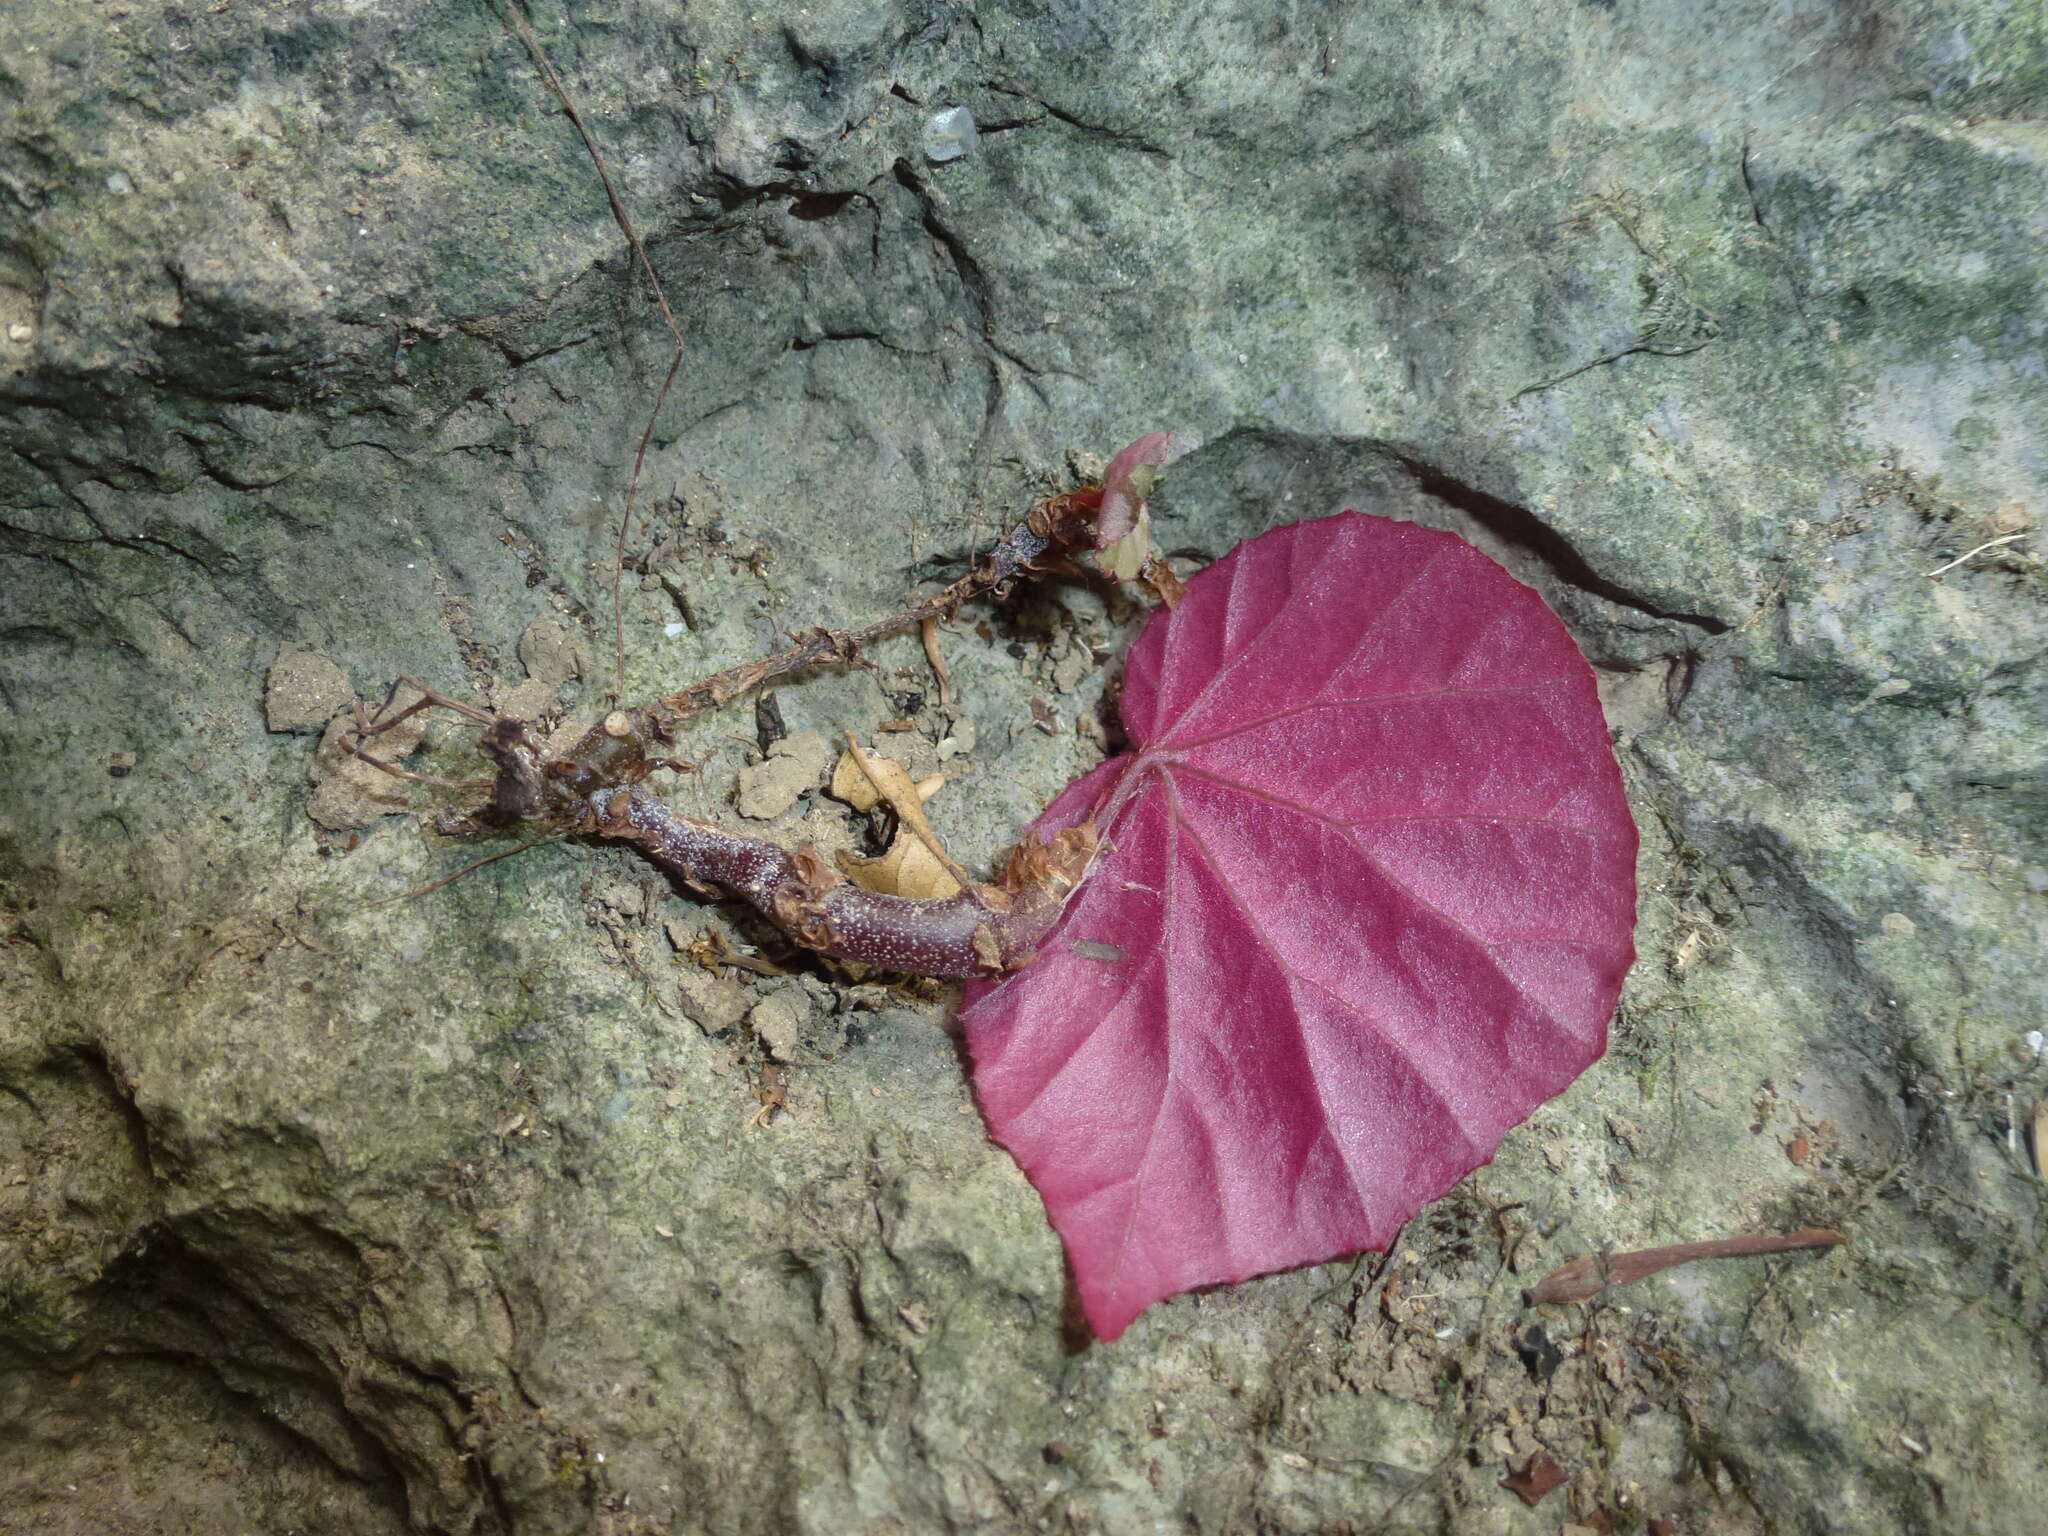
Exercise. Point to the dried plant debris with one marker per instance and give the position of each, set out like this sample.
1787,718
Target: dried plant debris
1583,1279
916,863
1536,1479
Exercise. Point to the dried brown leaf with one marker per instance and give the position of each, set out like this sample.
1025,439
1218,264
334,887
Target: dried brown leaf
1539,1475
916,863
906,869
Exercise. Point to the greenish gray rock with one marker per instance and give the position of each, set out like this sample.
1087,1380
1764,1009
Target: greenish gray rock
1722,324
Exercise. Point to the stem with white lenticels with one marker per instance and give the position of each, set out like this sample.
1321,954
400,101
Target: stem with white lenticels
985,930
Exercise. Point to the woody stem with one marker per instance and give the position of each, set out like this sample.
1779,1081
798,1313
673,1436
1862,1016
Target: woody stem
982,931
1053,530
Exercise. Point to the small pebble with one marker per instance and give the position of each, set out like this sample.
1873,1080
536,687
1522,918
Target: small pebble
549,651
950,134
793,765
302,691
779,1020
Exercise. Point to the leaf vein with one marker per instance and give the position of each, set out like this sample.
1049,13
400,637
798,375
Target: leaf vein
1343,830
1281,610
1173,768
1344,1003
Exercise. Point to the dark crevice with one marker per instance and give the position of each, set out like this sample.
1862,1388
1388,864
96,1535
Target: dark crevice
13,1091
511,356
1120,136
807,343
138,543
734,195
171,1303
384,448
1680,680
231,482
1756,207
224,477
146,542
101,1071
811,207
1645,346
1007,125
1521,527
26,548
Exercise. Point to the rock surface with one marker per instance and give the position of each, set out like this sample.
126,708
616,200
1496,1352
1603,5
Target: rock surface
1722,323
794,764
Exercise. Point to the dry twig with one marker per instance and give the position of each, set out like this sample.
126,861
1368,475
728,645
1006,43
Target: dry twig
928,630
1583,1279
1973,554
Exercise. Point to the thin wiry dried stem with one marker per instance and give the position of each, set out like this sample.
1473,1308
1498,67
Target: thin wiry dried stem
516,24
475,864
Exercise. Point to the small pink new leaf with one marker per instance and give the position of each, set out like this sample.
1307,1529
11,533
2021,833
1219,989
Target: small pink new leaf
1126,484
1366,900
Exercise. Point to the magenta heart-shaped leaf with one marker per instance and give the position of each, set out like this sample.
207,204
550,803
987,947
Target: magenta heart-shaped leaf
1365,900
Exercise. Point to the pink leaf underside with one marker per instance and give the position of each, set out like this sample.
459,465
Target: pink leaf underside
1365,901
1119,511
